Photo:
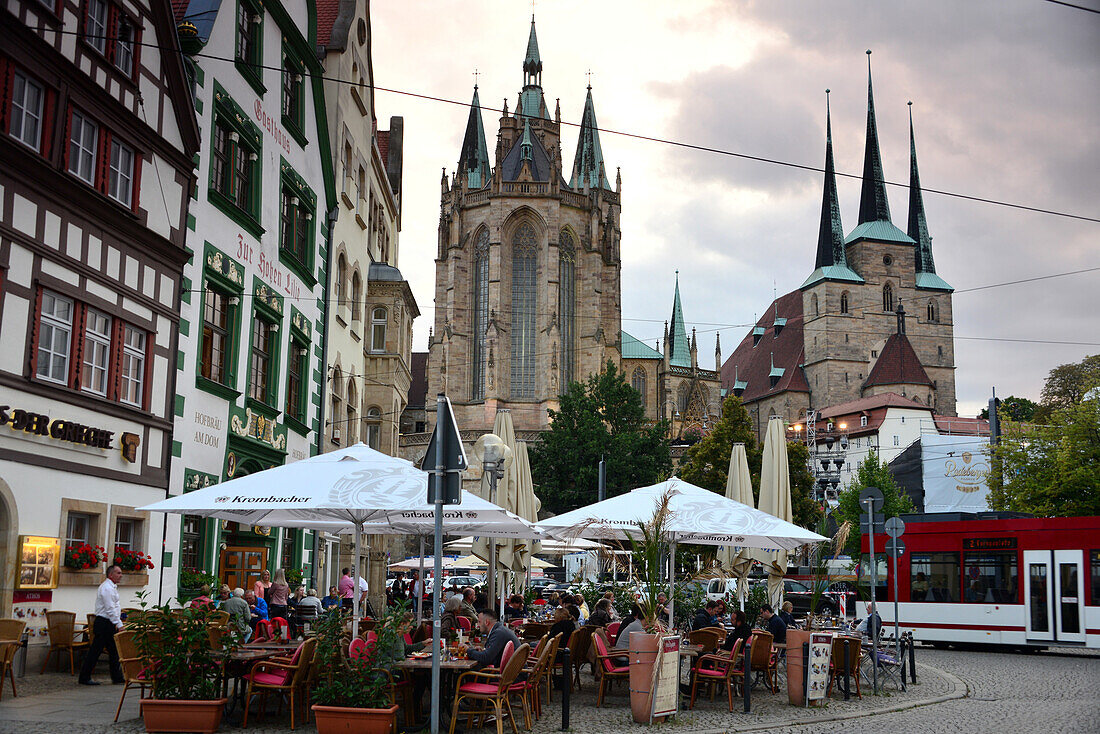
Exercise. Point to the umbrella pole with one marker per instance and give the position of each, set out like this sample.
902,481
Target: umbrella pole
672,585
420,595
355,593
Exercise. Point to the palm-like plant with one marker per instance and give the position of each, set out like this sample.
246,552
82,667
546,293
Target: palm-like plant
648,546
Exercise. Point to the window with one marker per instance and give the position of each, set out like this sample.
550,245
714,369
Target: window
97,350
378,330
844,302
524,259
55,333
934,577
234,161
816,305
356,296
121,178
78,529
249,43
1094,573
126,534
191,542
295,370
124,47
95,25
27,102
341,277
637,381
683,394
374,427
863,421
83,139
132,375
295,234
566,300
897,441
262,363
287,550
214,362
353,414
932,312
990,578
887,297
480,315
293,103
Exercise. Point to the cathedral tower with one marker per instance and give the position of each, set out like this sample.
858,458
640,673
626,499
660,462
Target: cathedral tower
527,294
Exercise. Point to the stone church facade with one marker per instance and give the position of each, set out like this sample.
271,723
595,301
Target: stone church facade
874,295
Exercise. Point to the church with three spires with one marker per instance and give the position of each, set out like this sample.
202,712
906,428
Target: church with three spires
872,318
527,289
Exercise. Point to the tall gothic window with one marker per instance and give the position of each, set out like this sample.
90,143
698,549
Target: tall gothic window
637,381
817,307
932,312
683,395
567,292
844,302
481,315
524,259
887,297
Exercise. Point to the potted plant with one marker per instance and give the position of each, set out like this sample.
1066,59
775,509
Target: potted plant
182,665
84,557
131,561
191,582
354,694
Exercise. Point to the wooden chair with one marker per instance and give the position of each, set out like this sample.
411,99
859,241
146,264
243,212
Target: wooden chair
11,637
708,639
63,638
764,659
133,666
836,662
579,645
609,669
217,618
282,678
718,669
491,688
613,630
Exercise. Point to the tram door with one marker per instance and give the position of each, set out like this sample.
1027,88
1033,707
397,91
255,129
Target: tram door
1038,595
1069,594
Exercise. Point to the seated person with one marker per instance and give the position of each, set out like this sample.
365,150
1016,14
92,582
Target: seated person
705,616
622,642
786,612
449,625
239,614
310,601
871,626
563,625
554,600
257,608
918,590
662,601
741,630
514,609
774,623
497,636
332,599
602,616
203,600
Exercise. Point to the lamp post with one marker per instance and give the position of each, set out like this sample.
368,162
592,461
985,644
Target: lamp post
495,456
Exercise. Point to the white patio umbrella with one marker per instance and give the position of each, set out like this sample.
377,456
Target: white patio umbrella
739,488
353,490
547,546
410,563
775,499
696,515
492,548
527,506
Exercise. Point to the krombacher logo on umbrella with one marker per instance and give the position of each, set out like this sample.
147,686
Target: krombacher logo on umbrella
255,500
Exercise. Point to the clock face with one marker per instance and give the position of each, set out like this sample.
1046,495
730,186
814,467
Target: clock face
888,260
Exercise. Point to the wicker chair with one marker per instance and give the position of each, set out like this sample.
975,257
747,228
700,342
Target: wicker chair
490,688
282,678
708,639
63,638
133,666
609,670
764,659
836,662
11,637
715,670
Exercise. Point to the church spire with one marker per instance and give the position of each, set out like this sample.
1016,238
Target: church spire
679,347
588,163
531,103
918,224
525,147
473,161
873,205
830,234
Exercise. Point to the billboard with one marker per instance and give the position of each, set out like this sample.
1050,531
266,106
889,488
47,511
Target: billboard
956,473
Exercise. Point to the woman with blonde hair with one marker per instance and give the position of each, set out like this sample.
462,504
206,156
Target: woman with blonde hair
278,596
262,584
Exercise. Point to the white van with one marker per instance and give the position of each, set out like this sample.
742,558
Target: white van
722,589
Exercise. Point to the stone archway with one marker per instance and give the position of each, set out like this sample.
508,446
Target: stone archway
9,547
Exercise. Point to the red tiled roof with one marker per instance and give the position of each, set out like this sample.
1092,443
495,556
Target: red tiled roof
418,386
753,364
327,10
953,425
885,400
179,9
383,138
897,364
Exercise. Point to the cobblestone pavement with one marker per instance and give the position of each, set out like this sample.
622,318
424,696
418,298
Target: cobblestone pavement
984,691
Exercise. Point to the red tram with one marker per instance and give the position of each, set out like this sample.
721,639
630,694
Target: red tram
1022,581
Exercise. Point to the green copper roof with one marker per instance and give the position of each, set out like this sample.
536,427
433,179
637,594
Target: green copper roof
525,142
832,272
631,348
532,104
830,232
880,232
932,282
679,350
532,58
873,205
474,158
588,165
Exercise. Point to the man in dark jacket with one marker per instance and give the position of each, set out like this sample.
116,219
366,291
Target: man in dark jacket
498,636
705,616
774,623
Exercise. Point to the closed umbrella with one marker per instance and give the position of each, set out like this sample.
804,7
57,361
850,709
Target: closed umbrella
775,499
739,488
527,507
500,553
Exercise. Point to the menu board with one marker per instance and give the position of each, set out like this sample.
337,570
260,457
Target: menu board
666,674
817,674
38,562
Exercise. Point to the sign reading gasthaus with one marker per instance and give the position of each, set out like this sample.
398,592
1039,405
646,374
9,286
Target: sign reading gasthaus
956,473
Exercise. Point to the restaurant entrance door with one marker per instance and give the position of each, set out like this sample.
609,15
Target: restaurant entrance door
1069,585
1038,595
241,566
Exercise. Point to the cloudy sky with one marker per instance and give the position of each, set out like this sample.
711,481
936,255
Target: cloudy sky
1005,105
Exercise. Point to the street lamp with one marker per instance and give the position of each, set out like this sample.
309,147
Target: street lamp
495,457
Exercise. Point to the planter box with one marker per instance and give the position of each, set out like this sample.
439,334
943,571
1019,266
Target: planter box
339,719
82,576
203,717
134,578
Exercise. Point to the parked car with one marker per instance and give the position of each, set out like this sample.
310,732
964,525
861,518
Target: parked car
801,597
543,587
722,589
457,582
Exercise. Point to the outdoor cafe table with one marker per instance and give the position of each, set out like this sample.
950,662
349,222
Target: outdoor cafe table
448,670
240,661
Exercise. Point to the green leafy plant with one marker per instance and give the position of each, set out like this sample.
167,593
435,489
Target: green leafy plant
130,561
82,557
358,683
183,660
193,578
648,546
294,577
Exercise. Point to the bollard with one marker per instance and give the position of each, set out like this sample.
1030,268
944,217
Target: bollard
748,675
805,673
847,671
566,686
912,661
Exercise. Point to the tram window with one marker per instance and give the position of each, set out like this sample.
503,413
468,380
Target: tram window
990,578
1094,572
934,577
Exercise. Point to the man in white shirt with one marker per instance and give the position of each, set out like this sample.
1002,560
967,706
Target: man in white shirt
108,620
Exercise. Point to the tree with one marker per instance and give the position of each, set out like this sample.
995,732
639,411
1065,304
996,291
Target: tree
1068,384
706,464
1013,408
871,472
1050,470
602,417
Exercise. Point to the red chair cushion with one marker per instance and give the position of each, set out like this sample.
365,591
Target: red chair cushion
602,650
613,628
465,624
711,672
269,679
539,602
508,650
483,688
616,669
357,648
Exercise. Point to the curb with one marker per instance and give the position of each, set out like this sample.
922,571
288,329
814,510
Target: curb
961,691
